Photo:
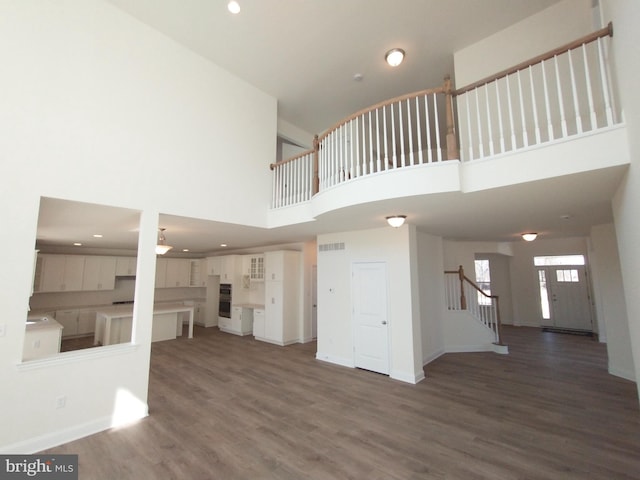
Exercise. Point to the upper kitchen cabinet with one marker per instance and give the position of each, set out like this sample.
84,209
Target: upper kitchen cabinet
178,270
256,268
59,273
198,273
126,266
231,268
99,273
214,265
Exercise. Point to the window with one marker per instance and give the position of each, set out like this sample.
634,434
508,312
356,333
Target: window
559,260
570,275
483,280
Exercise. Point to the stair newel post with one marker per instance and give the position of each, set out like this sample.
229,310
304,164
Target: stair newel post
452,145
316,176
463,298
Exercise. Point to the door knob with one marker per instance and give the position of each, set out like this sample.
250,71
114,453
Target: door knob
384,322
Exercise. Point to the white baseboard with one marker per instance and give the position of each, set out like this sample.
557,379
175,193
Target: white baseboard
345,362
622,373
469,348
408,377
53,439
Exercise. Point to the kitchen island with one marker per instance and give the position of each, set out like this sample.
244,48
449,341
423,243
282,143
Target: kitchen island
113,324
43,337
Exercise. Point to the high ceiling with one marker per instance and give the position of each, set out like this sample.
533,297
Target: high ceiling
305,53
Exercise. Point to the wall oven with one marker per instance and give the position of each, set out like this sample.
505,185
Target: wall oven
225,300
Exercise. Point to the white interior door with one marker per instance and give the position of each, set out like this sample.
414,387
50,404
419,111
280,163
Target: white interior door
369,298
569,297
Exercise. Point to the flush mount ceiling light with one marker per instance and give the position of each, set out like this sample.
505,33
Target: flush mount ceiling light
394,56
162,247
529,237
233,7
396,220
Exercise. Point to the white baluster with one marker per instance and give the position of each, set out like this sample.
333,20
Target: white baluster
546,102
489,126
402,160
371,159
410,132
357,173
364,145
587,74
535,106
479,124
384,131
605,84
525,135
393,137
574,91
563,120
512,126
419,128
428,122
437,122
469,126
500,125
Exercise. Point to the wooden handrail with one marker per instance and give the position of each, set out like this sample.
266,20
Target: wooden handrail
428,91
292,159
463,300
603,32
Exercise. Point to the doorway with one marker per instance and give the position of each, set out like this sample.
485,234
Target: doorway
564,292
370,319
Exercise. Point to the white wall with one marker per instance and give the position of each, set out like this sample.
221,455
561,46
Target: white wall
97,107
625,15
500,270
609,298
393,246
431,296
557,25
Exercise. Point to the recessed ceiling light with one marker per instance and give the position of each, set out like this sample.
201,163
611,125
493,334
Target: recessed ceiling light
185,249
358,77
97,235
77,244
234,7
394,57
223,244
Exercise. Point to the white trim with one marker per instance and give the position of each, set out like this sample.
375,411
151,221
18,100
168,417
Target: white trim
77,356
407,377
469,348
54,439
344,362
622,373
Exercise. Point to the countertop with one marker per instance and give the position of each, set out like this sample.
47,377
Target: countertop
42,322
121,311
255,306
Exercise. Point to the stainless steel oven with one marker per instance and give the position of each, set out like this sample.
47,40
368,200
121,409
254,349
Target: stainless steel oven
225,300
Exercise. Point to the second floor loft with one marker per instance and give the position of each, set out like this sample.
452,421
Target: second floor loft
551,116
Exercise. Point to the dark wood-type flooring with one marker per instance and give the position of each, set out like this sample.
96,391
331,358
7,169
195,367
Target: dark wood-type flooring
227,407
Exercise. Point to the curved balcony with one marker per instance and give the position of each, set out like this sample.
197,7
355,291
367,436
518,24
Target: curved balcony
485,135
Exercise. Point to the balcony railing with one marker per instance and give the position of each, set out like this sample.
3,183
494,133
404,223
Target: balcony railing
555,96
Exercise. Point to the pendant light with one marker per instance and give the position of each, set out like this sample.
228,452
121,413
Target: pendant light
162,247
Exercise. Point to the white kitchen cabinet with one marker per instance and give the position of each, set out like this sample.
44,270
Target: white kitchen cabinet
126,266
214,265
59,273
76,322
99,273
282,298
177,274
240,323
259,323
69,321
197,273
231,269
256,268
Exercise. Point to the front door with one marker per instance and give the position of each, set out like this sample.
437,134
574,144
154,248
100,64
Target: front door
569,297
369,298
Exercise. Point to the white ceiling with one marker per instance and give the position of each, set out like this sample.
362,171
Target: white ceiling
305,53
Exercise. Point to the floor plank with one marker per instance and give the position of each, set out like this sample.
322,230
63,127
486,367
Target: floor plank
229,407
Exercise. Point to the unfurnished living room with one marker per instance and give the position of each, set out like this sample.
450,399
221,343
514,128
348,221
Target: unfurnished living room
320,239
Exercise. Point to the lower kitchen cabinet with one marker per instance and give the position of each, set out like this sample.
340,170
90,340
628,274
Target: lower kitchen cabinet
240,323
76,323
258,323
